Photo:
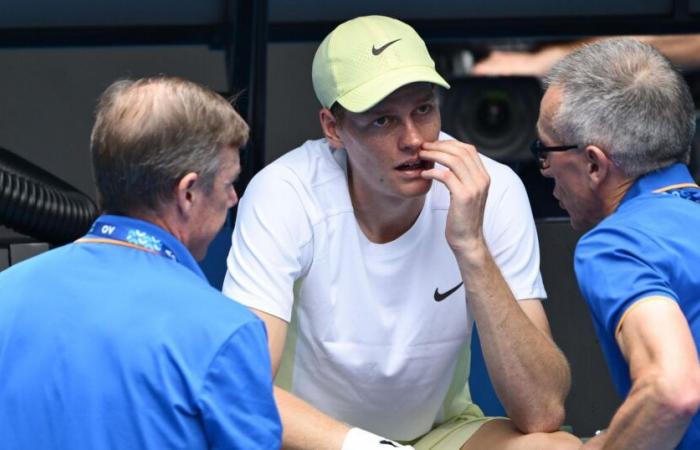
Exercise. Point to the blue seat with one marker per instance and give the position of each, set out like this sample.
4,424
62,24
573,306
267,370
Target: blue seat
480,385
214,265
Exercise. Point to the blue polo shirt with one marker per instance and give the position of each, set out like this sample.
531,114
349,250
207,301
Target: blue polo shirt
650,246
122,344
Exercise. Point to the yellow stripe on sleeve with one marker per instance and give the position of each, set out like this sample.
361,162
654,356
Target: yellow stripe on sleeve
637,303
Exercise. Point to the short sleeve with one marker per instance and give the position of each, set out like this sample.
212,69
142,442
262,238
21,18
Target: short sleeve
615,268
236,400
271,244
511,235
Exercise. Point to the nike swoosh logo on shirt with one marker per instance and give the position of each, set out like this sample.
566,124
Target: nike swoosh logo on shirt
377,51
438,296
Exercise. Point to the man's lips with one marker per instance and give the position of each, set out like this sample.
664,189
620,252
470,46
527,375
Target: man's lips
415,164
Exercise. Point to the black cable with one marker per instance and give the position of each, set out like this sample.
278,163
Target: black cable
38,204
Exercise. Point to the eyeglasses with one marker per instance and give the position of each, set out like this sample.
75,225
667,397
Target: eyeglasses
540,151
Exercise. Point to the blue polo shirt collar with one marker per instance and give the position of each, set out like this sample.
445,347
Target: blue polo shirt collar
153,238
668,176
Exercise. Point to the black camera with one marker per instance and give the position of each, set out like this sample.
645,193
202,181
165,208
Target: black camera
497,115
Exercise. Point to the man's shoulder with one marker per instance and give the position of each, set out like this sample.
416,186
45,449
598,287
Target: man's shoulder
165,283
193,294
605,234
310,178
616,236
645,226
307,163
46,265
632,220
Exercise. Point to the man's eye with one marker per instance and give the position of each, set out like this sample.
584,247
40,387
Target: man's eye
424,109
381,121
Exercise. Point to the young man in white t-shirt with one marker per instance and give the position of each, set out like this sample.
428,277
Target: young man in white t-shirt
369,275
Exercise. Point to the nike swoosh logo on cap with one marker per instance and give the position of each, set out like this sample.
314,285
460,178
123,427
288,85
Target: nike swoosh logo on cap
377,51
442,296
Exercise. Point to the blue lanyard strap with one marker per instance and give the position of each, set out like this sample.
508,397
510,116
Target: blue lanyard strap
110,233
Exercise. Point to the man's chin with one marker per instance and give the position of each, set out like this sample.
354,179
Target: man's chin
418,189
200,252
580,225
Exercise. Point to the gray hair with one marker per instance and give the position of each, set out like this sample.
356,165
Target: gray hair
625,97
151,132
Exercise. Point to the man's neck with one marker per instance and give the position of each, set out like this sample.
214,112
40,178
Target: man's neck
383,218
614,192
163,220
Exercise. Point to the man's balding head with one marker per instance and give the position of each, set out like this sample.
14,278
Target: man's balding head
150,132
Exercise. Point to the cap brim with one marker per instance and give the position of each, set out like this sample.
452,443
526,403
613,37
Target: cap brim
369,94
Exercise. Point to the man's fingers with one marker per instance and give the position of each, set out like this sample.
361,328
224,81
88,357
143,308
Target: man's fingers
466,169
466,154
446,177
461,192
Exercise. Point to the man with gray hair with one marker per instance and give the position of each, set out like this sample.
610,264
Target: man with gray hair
615,130
117,340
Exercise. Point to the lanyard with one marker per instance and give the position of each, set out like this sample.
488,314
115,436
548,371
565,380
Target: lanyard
682,190
110,233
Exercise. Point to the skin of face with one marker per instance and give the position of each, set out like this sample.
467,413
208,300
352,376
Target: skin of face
382,144
570,169
210,211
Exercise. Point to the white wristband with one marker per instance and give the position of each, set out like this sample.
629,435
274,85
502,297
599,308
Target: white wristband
358,439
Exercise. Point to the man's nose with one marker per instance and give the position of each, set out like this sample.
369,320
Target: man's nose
544,169
544,165
411,138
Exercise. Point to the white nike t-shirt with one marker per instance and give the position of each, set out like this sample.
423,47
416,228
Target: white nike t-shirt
374,339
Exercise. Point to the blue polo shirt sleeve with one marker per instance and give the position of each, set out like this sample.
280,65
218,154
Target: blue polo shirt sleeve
616,267
236,401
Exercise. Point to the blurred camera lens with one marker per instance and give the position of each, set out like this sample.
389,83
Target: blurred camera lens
493,115
497,115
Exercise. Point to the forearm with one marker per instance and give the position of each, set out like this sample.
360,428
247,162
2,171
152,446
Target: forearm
305,427
663,364
529,373
644,421
682,49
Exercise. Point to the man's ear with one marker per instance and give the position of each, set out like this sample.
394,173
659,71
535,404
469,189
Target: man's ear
186,193
329,124
598,165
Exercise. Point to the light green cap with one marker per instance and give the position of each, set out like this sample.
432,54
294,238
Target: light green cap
365,59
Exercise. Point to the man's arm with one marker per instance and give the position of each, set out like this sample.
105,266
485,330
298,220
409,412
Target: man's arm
529,373
665,394
682,49
239,411
304,427
272,232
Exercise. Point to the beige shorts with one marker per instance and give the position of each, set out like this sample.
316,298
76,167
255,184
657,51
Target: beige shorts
452,434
